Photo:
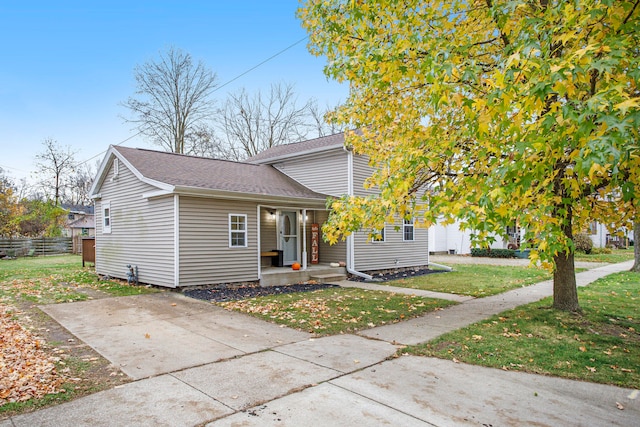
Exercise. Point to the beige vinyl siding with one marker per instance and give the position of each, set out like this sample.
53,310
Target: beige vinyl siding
362,171
205,255
325,172
268,233
393,252
329,253
142,231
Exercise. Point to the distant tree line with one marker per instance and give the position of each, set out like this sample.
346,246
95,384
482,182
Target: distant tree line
174,107
36,209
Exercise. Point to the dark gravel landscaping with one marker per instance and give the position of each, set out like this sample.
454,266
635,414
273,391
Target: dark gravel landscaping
224,293
396,275
244,292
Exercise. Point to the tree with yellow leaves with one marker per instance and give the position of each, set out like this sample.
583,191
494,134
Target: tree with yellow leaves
492,112
10,209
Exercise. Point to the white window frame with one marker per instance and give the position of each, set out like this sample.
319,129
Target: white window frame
107,219
382,233
406,224
233,231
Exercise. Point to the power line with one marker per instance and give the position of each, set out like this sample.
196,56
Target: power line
262,63
215,90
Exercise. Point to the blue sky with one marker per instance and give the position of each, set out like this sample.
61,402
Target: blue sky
66,65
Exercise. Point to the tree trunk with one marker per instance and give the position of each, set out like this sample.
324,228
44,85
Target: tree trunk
636,246
565,292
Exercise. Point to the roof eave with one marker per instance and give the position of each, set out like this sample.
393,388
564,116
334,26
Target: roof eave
271,160
234,195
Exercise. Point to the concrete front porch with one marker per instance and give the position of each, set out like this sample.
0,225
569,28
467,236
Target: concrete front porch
322,273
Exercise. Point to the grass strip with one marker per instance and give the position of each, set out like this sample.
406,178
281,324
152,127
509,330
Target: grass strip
475,280
601,344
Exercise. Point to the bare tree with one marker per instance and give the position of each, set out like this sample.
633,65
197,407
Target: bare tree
252,124
78,185
54,165
173,99
321,123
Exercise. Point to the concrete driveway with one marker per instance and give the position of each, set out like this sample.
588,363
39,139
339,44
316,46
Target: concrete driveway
200,364
149,335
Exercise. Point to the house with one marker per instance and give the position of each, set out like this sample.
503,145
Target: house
80,224
190,221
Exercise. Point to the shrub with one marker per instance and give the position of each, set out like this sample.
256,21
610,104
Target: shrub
583,243
493,253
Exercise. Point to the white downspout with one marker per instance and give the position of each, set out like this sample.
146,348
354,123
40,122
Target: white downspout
304,239
351,258
176,240
259,242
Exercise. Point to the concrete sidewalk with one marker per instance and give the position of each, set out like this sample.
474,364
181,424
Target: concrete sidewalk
247,373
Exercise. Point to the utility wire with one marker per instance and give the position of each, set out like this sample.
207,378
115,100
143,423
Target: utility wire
215,90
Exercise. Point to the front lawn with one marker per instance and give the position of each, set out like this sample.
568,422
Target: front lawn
475,280
602,344
55,279
336,310
616,255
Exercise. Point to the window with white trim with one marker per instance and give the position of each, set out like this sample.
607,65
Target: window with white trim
378,236
408,230
106,217
237,231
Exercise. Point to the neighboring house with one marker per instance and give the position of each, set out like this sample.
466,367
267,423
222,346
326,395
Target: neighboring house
451,239
80,223
190,221
602,236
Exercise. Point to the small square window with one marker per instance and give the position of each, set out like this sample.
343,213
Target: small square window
378,236
237,231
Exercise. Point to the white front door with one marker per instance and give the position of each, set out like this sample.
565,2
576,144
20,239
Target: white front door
289,236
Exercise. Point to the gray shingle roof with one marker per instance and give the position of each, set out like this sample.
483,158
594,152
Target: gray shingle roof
212,174
286,150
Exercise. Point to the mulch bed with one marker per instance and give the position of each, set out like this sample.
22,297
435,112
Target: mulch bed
396,275
227,293
245,292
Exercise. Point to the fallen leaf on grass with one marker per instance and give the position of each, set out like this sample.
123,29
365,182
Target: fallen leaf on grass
26,371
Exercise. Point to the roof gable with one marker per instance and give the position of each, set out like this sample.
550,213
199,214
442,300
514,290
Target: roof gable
179,173
279,152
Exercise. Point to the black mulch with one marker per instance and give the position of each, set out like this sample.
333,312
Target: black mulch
245,292
395,275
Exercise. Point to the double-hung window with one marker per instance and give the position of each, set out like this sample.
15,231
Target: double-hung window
408,230
106,217
237,231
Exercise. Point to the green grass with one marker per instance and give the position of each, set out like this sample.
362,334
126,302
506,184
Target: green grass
55,279
601,344
475,280
617,255
335,311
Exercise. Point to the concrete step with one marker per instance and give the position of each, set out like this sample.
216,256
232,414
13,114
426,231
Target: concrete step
328,278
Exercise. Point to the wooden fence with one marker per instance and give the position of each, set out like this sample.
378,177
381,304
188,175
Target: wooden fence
40,246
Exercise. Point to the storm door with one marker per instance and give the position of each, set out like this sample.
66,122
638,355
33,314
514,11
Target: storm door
288,230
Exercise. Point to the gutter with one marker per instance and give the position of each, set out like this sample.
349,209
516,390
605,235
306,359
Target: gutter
350,239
